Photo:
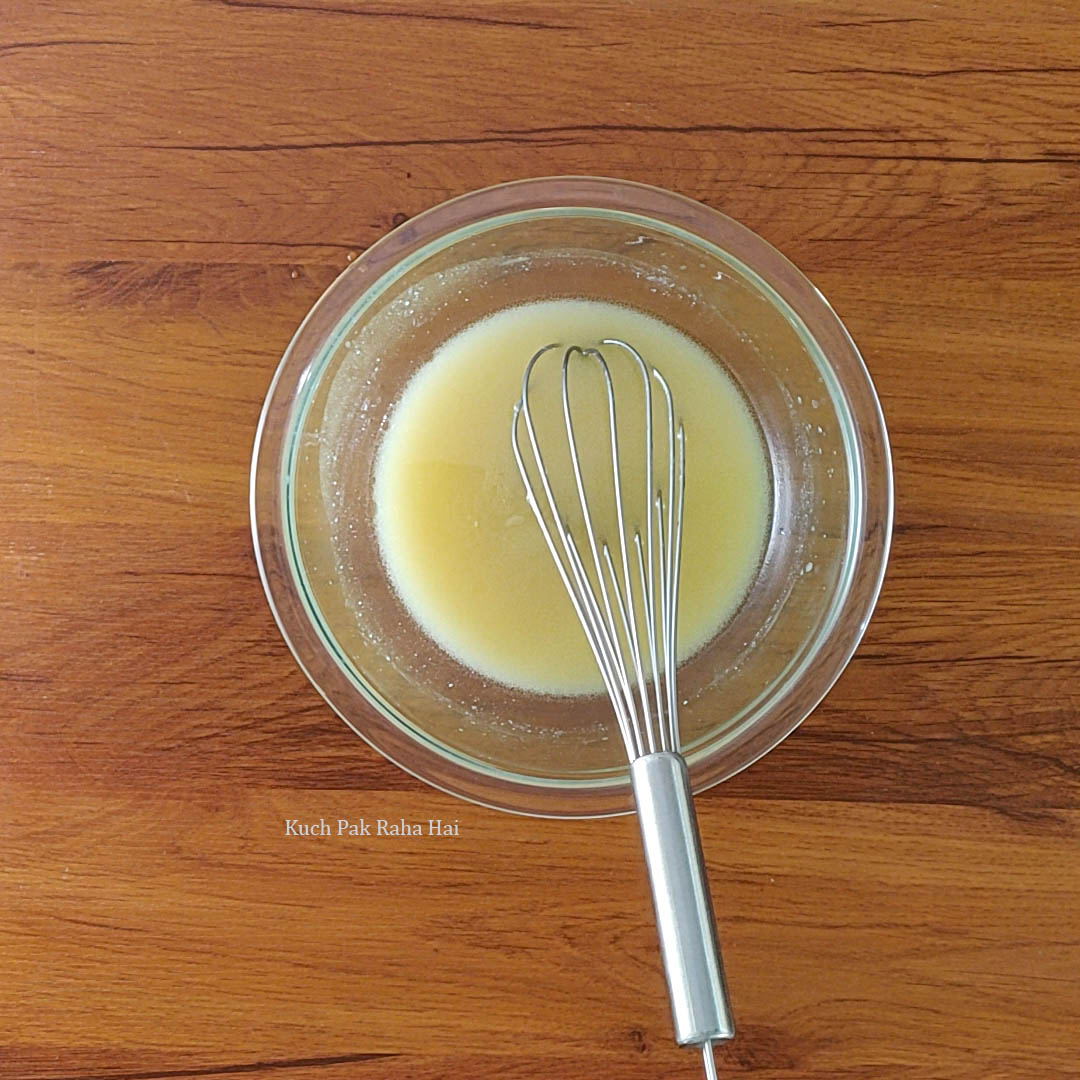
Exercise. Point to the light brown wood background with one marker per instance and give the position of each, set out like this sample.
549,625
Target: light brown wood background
898,885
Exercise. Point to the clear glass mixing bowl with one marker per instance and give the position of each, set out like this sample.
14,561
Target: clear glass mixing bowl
312,479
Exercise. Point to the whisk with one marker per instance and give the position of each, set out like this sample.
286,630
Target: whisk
625,591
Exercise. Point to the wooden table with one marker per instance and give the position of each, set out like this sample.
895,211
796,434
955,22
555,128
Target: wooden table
897,885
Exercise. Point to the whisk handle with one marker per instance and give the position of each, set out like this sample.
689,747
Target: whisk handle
680,889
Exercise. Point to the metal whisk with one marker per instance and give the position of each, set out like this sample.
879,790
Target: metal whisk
624,589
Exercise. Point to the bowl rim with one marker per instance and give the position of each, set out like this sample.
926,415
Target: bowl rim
269,491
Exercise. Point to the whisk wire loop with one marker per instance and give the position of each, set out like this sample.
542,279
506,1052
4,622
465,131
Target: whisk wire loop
633,643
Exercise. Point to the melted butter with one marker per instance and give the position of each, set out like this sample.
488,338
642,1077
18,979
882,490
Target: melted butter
457,537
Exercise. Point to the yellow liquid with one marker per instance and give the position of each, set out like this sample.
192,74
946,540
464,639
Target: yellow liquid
460,543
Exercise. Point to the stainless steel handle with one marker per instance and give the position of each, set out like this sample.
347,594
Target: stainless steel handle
680,889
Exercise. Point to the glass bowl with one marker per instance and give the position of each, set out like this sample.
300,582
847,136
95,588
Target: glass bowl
312,479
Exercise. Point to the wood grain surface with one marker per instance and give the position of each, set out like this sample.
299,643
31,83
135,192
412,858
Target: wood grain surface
898,885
